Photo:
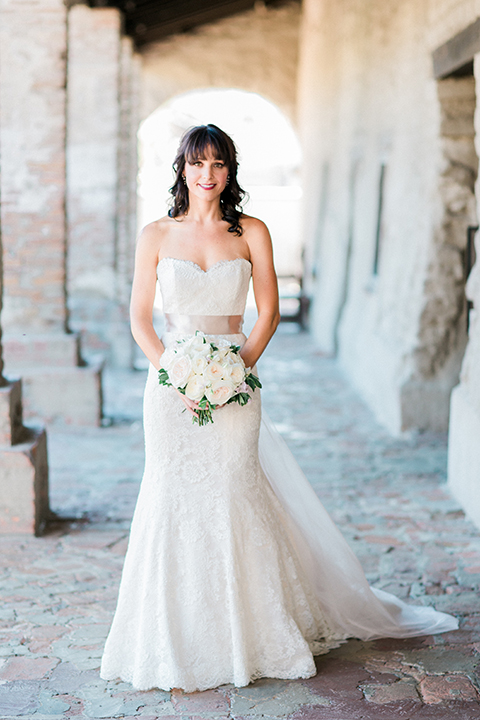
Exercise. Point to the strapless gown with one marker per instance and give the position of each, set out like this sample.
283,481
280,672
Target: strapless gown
234,570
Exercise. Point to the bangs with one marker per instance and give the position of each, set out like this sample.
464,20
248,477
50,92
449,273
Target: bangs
208,138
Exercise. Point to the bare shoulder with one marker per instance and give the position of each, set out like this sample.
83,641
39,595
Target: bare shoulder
253,225
257,236
153,235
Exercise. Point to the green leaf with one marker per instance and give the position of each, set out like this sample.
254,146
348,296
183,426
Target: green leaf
253,381
202,417
163,378
240,398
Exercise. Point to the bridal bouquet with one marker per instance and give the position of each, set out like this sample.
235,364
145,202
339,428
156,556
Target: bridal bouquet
209,372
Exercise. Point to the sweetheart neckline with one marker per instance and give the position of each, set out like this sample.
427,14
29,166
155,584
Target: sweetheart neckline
196,265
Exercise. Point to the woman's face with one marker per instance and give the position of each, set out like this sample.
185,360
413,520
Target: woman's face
206,176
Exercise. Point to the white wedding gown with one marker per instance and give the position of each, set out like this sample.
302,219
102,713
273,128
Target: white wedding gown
234,570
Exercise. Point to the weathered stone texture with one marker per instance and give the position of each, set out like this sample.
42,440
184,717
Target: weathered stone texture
368,99
442,329
255,51
99,71
370,107
32,77
33,44
464,432
24,498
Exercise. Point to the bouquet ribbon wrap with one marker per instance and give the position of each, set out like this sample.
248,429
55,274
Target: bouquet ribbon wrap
208,324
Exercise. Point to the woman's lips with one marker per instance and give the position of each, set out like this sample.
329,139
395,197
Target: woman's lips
208,186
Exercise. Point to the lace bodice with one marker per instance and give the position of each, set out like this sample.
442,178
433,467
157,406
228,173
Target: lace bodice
189,290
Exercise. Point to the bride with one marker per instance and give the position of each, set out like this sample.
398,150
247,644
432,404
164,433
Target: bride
234,570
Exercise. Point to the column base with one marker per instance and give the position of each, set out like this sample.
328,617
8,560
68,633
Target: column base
57,386
63,396
24,502
464,453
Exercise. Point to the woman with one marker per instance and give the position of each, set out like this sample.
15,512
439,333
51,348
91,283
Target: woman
234,570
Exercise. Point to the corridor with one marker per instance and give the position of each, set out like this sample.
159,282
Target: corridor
387,495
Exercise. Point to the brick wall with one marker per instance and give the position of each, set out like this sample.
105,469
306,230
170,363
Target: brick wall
100,172
32,81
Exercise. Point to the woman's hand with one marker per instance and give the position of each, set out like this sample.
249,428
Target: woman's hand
191,405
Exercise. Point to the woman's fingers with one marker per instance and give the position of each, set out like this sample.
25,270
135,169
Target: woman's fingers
190,405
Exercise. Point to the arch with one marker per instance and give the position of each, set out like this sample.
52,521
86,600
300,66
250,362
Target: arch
255,51
269,153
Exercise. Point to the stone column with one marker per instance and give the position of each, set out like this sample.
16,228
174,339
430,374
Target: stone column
24,501
464,431
126,227
37,341
100,88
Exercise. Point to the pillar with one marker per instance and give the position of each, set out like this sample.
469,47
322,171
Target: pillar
464,430
100,167
38,343
24,501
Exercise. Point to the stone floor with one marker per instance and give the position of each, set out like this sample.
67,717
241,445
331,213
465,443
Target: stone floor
388,496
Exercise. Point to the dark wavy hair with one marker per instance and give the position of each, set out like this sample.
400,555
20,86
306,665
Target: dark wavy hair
193,145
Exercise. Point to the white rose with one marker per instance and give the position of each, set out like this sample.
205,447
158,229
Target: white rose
167,358
227,371
223,343
197,346
198,342
199,363
195,389
237,373
222,352
219,392
180,371
213,371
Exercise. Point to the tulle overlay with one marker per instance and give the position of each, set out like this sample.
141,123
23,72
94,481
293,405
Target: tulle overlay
234,570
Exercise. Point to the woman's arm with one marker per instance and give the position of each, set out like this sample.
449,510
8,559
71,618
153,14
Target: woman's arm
265,289
143,294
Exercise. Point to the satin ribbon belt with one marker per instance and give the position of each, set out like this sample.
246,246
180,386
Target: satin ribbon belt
209,324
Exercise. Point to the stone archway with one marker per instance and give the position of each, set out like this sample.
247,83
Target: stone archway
269,153
255,51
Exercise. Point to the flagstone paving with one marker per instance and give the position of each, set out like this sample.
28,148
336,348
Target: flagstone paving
387,494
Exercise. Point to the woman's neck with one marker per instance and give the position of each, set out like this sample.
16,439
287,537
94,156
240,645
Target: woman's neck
203,212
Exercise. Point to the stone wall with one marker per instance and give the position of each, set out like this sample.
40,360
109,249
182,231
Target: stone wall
391,188
101,133
32,78
255,51
464,431
388,287
37,341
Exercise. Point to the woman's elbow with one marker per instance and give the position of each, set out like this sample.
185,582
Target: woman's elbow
276,318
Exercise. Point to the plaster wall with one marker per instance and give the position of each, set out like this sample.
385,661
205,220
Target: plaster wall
464,431
256,51
367,99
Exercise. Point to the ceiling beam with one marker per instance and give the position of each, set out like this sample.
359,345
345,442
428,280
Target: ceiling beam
152,20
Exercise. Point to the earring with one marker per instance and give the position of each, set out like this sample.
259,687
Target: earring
228,180
184,179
